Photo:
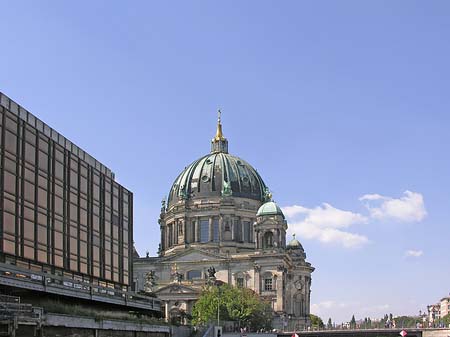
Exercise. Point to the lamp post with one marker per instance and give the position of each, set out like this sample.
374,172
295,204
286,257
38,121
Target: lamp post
218,304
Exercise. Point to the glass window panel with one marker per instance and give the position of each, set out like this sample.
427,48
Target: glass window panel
58,205
42,235
28,230
10,182
59,259
204,230
74,265
74,230
30,136
73,212
28,213
42,256
42,198
42,219
42,182
10,165
59,170
96,251
246,231
29,175
268,284
73,179
58,225
96,223
43,144
9,246
28,252
30,153
10,142
191,274
83,217
9,206
59,190
73,246
83,249
9,223
58,240
43,161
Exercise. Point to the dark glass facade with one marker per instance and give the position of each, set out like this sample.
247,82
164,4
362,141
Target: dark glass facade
61,210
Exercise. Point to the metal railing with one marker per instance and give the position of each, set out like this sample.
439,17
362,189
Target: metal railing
68,286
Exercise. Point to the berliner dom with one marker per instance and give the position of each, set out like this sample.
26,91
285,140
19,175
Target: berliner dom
219,215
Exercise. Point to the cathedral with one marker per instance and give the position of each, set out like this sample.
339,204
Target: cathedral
219,216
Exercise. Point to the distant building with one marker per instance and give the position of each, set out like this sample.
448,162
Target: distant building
438,310
66,225
445,306
219,214
434,312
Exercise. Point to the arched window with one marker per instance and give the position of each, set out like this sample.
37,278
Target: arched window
268,240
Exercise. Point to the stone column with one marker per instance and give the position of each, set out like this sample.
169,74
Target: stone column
232,222
196,225
279,289
257,284
220,227
211,229
242,230
276,238
166,311
174,232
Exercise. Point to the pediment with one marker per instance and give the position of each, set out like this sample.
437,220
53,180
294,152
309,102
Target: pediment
193,255
175,288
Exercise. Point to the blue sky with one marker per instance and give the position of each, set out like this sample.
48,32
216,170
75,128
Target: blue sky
330,100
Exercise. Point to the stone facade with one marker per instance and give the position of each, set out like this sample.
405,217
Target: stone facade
219,214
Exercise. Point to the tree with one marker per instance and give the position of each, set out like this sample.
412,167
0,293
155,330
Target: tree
235,304
446,320
353,322
329,324
316,321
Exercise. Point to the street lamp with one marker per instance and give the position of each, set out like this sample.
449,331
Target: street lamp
218,304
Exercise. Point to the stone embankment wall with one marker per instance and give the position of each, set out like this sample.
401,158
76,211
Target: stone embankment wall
435,333
57,325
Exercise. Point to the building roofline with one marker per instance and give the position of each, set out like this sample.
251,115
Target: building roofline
31,119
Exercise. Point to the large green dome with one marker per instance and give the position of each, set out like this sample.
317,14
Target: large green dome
218,174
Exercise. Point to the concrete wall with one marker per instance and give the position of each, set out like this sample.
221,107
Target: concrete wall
436,333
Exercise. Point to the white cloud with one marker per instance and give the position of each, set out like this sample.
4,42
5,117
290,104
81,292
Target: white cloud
408,208
413,253
326,223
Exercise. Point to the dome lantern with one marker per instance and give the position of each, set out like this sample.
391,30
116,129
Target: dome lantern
219,143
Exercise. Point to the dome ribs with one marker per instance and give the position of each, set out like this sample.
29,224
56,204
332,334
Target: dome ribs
205,178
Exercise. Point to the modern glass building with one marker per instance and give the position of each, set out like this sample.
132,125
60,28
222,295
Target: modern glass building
65,223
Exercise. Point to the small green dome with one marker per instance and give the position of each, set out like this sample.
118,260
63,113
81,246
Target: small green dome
294,244
269,208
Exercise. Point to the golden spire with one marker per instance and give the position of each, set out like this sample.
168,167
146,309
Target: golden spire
219,134
219,143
